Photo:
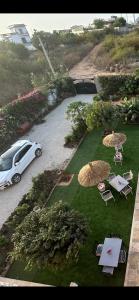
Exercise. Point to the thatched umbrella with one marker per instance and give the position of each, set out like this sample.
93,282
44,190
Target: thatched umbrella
93,173
114,139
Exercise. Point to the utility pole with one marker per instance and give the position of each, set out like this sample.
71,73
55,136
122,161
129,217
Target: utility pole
47,57
126,18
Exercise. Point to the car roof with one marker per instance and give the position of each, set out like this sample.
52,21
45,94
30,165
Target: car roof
14,149
20,143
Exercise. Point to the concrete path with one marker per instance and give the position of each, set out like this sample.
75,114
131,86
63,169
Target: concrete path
51,135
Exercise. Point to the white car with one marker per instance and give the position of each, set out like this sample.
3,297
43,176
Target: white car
15,160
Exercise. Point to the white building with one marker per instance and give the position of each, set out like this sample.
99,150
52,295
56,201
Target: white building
77,29
18,35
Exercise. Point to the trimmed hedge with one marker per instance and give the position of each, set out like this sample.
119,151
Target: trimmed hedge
121,85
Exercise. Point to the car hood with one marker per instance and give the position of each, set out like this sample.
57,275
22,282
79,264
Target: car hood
3,176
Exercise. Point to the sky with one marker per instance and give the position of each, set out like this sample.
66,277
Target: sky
50,22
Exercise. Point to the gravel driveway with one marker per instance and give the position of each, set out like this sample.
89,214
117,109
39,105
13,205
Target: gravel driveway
51,135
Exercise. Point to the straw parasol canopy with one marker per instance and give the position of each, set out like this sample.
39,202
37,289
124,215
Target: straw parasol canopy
114,139
93,173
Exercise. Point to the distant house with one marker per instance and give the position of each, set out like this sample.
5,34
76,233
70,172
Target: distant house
77,29
18,35
63,31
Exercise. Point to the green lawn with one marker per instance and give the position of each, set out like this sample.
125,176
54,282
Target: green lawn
116,217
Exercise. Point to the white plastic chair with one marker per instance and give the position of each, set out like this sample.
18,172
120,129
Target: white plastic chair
119,147
128,175
111,176
106,196
108,270
118,159
127,189
99,249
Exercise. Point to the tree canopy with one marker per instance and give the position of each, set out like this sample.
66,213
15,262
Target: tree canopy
119,22
99,23
50,237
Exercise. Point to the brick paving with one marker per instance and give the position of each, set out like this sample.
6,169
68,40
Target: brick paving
132,270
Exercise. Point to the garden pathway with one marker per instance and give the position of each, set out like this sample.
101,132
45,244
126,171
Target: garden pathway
51,135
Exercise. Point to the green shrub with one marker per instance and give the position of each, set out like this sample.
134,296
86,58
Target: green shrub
97,97
19,214
121,85
3,240
77,133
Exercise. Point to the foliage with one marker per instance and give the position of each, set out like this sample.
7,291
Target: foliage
23,109
122,49
99,23
97,97
76,112
121,85
130,110
15,68
3,240
102,114
51,237
19,214
119,22
73,138
63,85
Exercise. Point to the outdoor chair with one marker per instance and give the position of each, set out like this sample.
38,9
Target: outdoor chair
118,159
122,257
126,190
119,147
111,176
99,249
116,236
106,196
108,270
128,175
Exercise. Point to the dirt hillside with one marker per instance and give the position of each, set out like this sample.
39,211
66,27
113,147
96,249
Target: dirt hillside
87,69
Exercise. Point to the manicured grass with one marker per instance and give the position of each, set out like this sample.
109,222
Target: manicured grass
116,217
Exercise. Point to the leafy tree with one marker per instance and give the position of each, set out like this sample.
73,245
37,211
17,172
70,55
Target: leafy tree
99,23
102,114
16,50
76,112
119,22
50,237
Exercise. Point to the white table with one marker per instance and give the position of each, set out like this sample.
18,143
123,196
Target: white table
118,183
111,259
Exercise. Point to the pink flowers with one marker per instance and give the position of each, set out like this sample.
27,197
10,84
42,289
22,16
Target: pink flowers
35,94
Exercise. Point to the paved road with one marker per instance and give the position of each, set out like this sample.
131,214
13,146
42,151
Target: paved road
51,135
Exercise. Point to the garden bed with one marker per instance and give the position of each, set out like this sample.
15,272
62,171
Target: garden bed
65,179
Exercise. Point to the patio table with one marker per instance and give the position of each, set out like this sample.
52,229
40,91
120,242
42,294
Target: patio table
118,183
110,259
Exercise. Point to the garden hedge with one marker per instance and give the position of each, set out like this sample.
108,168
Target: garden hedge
121,85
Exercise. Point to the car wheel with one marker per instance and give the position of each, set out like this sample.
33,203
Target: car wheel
16,178
38,152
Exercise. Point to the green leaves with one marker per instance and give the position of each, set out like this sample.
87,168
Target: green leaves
102,114
50,237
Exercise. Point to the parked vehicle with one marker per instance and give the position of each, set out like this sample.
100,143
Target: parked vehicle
16,159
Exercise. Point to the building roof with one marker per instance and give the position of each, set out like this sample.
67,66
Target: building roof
16,25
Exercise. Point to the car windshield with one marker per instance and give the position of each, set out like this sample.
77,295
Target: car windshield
5,164
6,158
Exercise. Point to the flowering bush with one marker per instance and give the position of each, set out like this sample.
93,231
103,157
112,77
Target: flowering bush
25,108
